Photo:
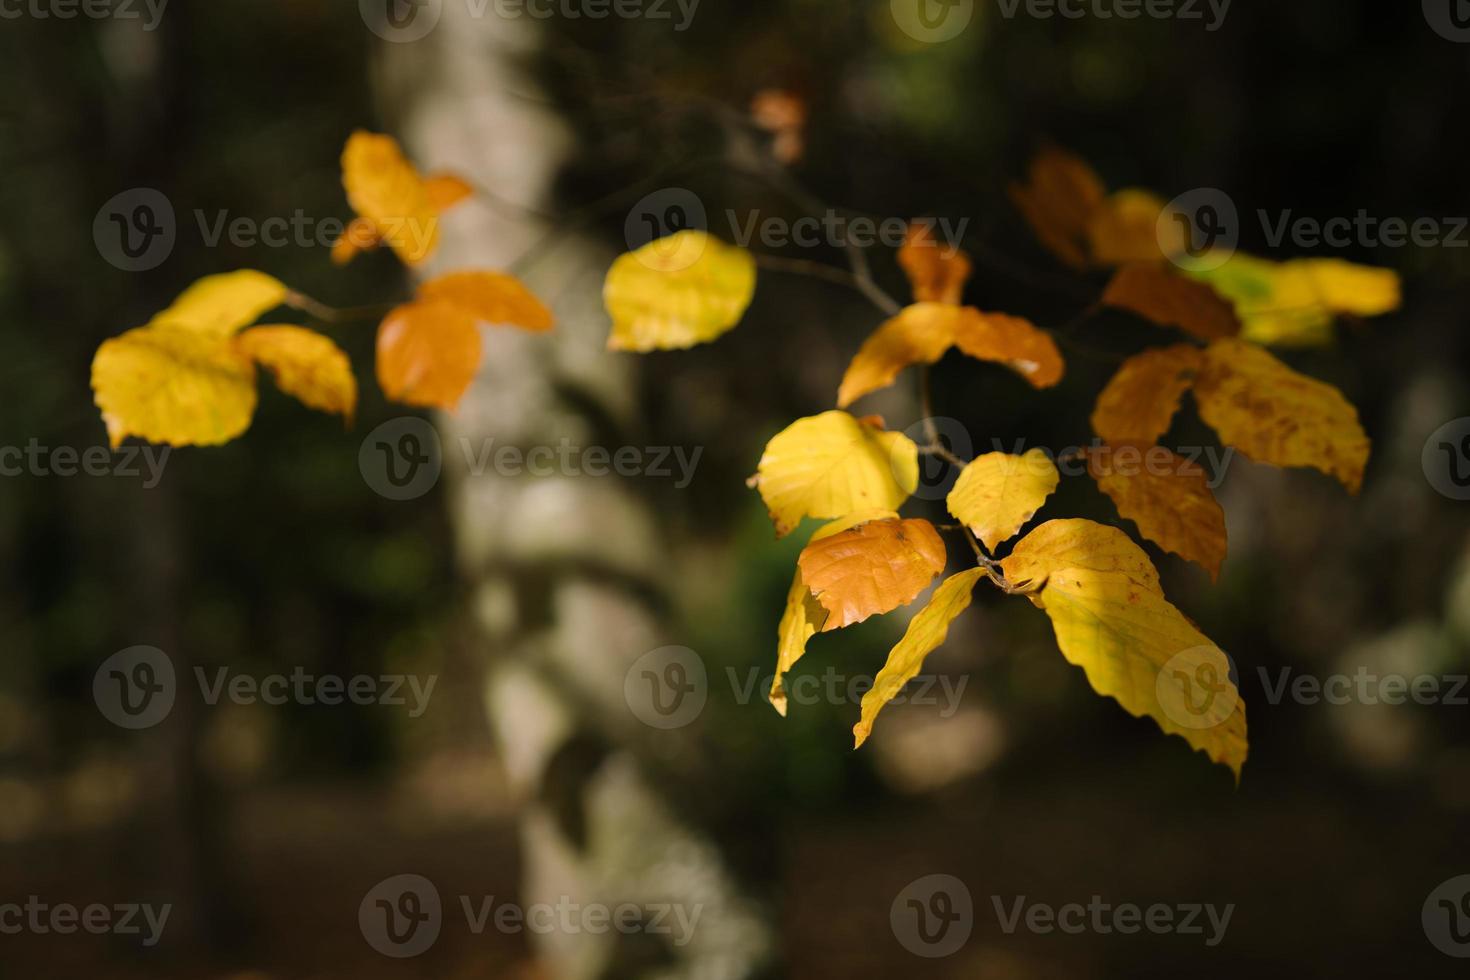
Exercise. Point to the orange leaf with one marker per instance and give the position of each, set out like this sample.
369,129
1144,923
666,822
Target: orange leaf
1125,228
360,236
919,334
1167,496
305,364
1014,342
492,297
871,569
428,353
1141,399
1275,415
1165,297
936,276
1058,200
444,191
383,187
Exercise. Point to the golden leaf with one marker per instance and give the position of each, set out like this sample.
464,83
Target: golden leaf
428,353
305,365
1293,304
872,568
1076,543
919,334
1275,415
831,465
1137,648
1163,296
804,615
444,191
1139,402
926,631
1125,228
360,236
387,192
997,493
173,384
1012,341
220,305
678,291
1167,496
491,297
1058,200
936,273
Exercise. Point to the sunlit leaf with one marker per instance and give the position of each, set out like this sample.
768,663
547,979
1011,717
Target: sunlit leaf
1076,543
997,493
872,568
1139,402
937,273
387,192
1014,342
490,297
428,353
831,465
173,384
678,291
1275,415
926,631
444,191
804,616
220,305
305,365
919,334
1167,496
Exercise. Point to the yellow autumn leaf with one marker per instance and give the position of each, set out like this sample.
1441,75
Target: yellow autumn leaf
428,353
490,297
1167,496
997,493
831,465
1138,404
173,384
804,616
936,273
1294,303
387,192
1058,200
871,569
1163,296
305,365
1076,543
926,631
1125,228
220,305
919,334
1138,649
1275,415
678,291
1012,341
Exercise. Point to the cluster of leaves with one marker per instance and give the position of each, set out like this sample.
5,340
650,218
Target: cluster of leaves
1099,589
187,376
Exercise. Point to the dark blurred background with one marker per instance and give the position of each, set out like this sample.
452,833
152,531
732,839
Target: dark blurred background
265,826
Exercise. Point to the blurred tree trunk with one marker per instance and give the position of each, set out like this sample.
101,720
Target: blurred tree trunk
565,569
